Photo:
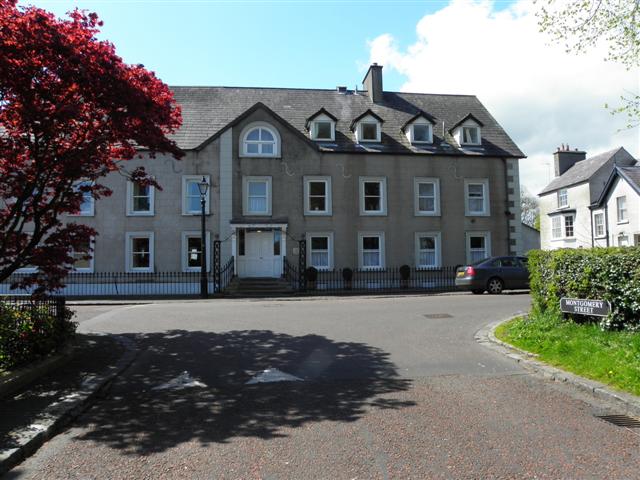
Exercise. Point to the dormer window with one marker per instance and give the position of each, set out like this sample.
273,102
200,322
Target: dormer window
470,135
419,129
369,132
322,126
322,130
367,127
260,140
421,133
468,131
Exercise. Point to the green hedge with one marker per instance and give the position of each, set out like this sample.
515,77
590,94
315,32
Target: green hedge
27,334
611,274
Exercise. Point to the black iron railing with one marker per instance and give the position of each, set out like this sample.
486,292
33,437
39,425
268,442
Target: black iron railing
290,274
225,275
49,306
133,284
344,281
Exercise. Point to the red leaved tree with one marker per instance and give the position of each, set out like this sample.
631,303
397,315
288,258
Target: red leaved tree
71,112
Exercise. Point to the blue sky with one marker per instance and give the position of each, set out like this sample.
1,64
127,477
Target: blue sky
541,95
311,44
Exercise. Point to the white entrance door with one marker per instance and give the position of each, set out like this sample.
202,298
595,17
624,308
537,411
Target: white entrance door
259,260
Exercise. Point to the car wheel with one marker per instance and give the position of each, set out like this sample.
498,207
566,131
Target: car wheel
495,286
477,292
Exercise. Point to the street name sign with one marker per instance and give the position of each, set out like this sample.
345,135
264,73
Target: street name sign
583,306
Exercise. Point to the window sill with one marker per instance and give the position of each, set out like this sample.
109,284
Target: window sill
194,214
373,214
427,214
317,214
623,222
564,239
82,270
477,214
256,155
256,214
141,270
140,214
81,214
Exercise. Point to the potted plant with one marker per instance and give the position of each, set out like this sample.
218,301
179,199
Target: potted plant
311,274
347,276
405,273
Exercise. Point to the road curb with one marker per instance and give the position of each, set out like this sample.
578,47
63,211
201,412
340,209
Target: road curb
17,379
59,414
630,404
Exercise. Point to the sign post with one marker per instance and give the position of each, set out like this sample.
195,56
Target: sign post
582,306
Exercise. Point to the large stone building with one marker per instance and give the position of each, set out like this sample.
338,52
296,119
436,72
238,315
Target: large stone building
369,178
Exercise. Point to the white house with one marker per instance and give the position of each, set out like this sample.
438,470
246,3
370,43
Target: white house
616,215
566,203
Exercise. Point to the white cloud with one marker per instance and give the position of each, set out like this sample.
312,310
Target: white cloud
541,95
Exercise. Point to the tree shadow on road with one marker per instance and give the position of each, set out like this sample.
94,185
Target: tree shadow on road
341,381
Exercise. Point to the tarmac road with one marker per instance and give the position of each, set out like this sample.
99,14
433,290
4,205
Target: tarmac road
389,388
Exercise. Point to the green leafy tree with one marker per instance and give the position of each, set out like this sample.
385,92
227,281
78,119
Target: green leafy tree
582,24
529,208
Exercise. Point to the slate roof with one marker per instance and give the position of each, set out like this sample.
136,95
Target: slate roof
632,174
206,111
582,171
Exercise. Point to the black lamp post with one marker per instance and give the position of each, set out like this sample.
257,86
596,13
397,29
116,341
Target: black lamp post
203,187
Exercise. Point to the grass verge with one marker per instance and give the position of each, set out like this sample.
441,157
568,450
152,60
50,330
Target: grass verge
612,358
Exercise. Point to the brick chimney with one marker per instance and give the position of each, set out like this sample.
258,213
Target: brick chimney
564,158
372,83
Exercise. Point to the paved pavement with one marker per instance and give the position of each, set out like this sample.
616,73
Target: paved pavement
392,388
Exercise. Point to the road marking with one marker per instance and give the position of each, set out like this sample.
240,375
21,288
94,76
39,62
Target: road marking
182,381
273,375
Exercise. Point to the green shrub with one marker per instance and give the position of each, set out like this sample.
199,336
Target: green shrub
30,332
611,274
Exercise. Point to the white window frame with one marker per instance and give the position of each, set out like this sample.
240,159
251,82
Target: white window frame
563,198
186,179
595,225
90,268
361,236
92,202
573,225
368,119
307,198
557,227
438,249
243,142
245,196
487,243
622,218
142,213
436,191
470,127
129,236
313,131
329,236
485,212
411,134
185,253
383,196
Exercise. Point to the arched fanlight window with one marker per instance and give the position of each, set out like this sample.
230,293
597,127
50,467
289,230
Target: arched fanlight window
260,141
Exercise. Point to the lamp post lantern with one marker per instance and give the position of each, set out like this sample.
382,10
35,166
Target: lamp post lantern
203,188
